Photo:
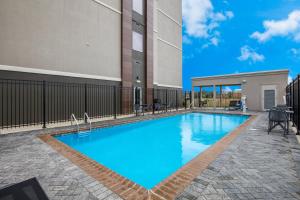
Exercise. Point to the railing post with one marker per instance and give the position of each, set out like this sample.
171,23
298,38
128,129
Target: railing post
153,106
44,104
115,102
298,105
290,88
176,100
185,105
291,99
293,102
166,100
85,101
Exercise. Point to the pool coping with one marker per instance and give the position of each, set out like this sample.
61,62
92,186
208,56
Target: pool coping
169,188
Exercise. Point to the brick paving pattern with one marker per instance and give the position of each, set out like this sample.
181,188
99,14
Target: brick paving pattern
23,157
254,166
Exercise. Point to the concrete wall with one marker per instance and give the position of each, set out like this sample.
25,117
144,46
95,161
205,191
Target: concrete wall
252,85
78,36
168,43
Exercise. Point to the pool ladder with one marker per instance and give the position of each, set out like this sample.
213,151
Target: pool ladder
73,119
86,118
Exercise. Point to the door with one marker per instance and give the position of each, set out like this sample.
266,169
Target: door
137,96
269,98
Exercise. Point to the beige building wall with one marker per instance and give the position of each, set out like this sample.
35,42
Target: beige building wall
78,36
168,43
252,85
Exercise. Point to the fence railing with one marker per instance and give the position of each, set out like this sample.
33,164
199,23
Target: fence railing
221,101
27,102
293,100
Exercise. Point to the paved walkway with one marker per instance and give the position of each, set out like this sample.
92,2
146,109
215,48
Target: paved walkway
255,166
23,157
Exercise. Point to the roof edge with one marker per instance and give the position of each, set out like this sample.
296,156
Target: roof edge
261,73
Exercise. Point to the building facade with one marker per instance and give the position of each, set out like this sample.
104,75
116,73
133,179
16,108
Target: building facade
129,43
263,90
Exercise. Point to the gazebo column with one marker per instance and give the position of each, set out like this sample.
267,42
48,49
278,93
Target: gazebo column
200,97
192,97
221,90
215,96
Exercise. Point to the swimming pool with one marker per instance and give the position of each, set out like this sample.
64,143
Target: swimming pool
147,152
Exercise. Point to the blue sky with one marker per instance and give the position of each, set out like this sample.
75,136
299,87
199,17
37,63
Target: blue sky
232,36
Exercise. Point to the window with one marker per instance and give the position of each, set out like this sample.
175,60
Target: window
137,41
138,6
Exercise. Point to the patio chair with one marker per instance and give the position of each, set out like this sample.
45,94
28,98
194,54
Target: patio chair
282,107
203,103
278,117
157,105
26,190
288,110
146,108
234,105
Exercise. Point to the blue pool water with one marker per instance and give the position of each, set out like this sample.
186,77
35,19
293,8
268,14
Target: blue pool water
148,152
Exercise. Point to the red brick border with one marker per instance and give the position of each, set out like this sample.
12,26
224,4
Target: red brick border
166,190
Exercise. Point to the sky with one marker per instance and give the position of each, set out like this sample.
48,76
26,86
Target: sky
235,36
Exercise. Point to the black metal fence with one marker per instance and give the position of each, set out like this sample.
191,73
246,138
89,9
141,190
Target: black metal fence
293,100
25,103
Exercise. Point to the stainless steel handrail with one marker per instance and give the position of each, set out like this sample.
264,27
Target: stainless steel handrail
73,118
88,120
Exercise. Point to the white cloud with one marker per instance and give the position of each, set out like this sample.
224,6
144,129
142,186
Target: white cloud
295,52
290,79
226,2
289,27
201,21
229,14
237,90
226,90
214,41
248,53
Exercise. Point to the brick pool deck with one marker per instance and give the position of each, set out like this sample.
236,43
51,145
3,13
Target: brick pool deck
254,166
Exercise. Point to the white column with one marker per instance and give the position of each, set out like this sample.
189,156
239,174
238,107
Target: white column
200,98
221,91
192,97
215,96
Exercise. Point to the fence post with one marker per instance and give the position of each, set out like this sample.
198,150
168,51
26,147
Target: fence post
85,101
115,102
166,100
44,104
153,106
293,102
298,105
290,88
185,106
176,100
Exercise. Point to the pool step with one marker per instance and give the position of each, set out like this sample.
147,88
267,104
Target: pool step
84,133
